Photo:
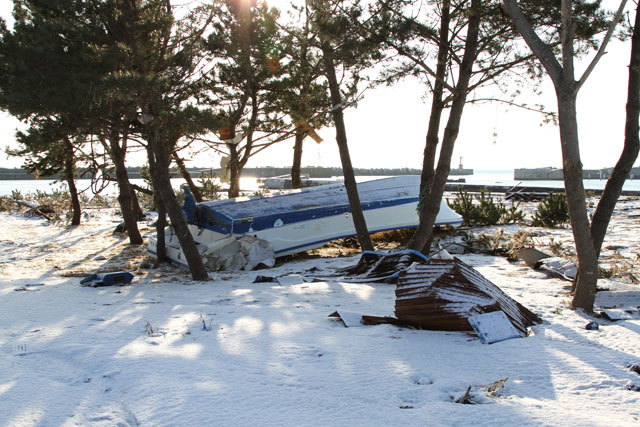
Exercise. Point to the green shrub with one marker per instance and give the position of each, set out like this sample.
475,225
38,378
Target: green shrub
209,188
490,212
463,205
552,212
512,214
486,211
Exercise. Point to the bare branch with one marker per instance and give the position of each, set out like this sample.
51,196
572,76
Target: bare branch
603,46
537,46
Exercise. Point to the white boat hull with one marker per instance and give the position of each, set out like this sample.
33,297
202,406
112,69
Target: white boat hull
289,237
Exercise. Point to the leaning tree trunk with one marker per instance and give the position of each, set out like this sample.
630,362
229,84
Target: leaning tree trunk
437,105
126,195
585,285
629,154
187,177
341,138
296,180
430,203
162,185
73,191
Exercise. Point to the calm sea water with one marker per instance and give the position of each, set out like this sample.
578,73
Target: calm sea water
482,177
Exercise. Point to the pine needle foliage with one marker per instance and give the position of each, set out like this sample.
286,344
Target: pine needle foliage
484,210
552,212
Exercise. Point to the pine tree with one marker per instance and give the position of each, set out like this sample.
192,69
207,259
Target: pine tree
303,92
163,60
588,236
244,47
337,24
56,65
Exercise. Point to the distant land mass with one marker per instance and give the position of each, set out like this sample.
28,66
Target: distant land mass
258,172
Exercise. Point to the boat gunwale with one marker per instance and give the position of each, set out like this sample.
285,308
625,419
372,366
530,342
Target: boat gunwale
209,218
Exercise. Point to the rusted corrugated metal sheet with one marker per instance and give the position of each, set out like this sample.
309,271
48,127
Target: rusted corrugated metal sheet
443,294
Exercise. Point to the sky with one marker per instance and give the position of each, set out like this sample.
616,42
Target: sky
388,127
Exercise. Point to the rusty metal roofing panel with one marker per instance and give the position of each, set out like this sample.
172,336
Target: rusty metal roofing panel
443,294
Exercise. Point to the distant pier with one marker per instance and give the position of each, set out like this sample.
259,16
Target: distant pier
460,170
555,174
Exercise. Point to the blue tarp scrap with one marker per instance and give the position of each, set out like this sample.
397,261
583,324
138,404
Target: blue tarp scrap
120,278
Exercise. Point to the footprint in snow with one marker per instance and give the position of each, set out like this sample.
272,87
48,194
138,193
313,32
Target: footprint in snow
421,380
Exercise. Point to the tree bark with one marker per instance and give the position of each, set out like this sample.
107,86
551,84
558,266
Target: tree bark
437,106
585,285
126,197
234,171
359,221
187,177
629,154
158,156
431,198
161,224
296,180
73,191
135,202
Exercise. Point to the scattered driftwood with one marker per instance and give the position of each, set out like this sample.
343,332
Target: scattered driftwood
477,393
443,294
34,209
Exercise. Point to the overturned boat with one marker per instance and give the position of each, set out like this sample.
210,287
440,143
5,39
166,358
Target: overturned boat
303,219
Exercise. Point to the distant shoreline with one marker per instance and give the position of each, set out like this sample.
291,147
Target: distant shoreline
256,172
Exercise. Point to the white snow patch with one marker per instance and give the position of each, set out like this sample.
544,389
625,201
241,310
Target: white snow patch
233,352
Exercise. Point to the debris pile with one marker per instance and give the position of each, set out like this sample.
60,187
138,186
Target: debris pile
553,266
237,253
35,209
443,294
381,266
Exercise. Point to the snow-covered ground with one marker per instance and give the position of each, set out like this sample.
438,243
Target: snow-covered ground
166,351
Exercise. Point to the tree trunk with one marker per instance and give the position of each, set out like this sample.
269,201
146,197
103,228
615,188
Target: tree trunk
161,224
341,138
135,203
187,177
296,180
126,195
75,201
234,171
159,157
431,198
586,238
585,285
629,154
437,106
73,191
